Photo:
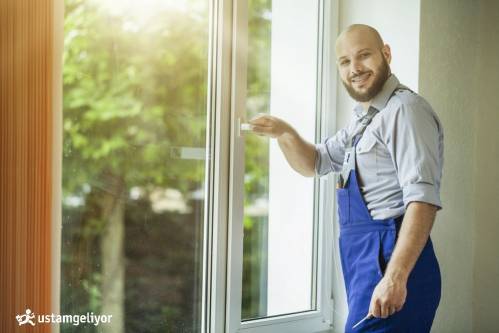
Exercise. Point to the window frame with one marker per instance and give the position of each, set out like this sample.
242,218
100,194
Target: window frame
223,71
319,320
57,137
217,203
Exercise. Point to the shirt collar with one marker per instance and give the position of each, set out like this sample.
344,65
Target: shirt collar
381,99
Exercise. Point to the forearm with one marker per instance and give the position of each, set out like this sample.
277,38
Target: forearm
413,235
299,153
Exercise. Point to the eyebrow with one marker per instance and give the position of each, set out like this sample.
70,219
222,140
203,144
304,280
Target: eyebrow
359,51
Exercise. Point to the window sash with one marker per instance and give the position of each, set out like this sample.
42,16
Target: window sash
321,318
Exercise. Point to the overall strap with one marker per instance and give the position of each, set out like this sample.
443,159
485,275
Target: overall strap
364,122
349,160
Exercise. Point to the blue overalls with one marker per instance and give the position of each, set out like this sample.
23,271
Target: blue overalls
366,246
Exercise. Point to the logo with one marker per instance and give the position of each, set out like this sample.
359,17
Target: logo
89,318
26,318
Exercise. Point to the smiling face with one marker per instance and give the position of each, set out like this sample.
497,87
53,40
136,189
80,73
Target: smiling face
363,62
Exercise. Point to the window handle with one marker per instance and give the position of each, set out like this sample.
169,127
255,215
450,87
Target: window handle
246,127
243,127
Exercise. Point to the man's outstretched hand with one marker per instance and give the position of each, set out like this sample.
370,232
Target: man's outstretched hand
299,153
267,125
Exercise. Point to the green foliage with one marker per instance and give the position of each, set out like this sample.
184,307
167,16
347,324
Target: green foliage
131,96
256,161
258,97
92,288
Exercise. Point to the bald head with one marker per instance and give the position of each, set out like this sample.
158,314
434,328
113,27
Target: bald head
360,33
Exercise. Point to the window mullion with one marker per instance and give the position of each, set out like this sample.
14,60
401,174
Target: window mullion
237,164
217,210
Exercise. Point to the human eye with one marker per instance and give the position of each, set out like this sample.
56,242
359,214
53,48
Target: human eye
344,62
364,55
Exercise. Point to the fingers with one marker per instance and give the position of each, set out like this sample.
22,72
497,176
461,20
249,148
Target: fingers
265,125
261,119
263,130
260,125
375,308
385,311
380,309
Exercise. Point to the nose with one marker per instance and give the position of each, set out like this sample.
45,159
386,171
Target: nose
355,67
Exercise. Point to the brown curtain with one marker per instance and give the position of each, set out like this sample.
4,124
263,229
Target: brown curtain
25,152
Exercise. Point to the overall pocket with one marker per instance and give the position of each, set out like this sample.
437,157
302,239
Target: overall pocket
387,241
359,257
343,201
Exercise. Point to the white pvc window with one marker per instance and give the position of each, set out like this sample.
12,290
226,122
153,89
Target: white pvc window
257,234
278,235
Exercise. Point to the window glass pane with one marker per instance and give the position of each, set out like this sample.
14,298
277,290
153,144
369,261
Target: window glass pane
135,91
278,246
256,184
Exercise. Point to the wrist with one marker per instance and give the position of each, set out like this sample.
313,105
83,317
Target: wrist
288,134
397,275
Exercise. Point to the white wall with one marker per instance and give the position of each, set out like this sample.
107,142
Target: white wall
460,77
486,175
448,73
398,23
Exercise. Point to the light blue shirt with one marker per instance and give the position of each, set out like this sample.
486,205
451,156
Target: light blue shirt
400,155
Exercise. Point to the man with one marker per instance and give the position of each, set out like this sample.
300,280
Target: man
389,159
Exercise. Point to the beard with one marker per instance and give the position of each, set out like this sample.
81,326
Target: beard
380,76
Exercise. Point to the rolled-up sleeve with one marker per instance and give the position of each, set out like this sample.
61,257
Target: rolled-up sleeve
415,142
330,153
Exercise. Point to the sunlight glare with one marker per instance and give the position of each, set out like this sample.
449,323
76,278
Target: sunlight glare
142,9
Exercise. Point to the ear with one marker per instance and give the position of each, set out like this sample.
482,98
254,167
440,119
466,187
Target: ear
387,53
